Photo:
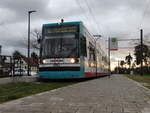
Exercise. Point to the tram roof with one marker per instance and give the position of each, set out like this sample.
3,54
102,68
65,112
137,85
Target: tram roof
64,23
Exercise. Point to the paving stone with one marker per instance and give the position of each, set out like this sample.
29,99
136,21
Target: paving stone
116,94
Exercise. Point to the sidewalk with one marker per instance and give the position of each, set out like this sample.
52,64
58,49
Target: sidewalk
18,79
104,95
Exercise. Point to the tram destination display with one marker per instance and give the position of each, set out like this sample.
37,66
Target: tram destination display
60,29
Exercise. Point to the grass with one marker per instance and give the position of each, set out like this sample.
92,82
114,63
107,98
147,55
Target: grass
141,79
18,90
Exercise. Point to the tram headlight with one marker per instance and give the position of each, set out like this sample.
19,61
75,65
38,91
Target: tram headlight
72,60
44,61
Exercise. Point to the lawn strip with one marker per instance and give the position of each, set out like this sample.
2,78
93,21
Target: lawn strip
13,91
144,79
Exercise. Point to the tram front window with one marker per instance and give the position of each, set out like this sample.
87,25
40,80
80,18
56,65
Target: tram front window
63,46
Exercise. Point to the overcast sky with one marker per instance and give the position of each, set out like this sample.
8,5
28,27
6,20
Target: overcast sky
110,18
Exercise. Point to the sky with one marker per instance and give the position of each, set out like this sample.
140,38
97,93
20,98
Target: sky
110,18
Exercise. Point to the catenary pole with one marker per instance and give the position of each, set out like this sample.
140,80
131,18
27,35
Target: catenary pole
98,37
29,12
141,35
109,56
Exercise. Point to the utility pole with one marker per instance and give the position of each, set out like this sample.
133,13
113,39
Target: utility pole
118,67
96,56
0,49
109,56
141,35
98,37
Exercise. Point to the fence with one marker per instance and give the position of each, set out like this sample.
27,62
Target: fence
10,66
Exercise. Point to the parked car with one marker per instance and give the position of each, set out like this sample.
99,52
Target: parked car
33,73
20,72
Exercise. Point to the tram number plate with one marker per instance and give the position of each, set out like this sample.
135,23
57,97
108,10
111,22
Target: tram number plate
56,64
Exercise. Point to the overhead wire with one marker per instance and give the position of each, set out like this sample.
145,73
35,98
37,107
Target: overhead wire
96,22
98,29
143,16
92,15
83,11
142,19
144,13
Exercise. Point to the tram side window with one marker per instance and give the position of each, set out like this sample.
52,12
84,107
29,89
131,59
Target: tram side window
92,56
83,46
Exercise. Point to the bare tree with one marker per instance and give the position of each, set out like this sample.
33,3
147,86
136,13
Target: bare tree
34,40
35,37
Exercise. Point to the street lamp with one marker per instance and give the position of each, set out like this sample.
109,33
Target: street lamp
98,37
29,12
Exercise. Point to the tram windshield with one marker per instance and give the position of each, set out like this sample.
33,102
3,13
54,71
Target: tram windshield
60,46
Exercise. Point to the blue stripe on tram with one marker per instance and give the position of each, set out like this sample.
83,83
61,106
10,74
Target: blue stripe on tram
60,75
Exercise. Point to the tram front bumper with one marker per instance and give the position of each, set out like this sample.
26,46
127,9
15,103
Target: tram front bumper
60,74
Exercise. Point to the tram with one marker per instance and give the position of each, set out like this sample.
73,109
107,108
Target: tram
68,52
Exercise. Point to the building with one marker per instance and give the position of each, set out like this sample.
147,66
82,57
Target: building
22,63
